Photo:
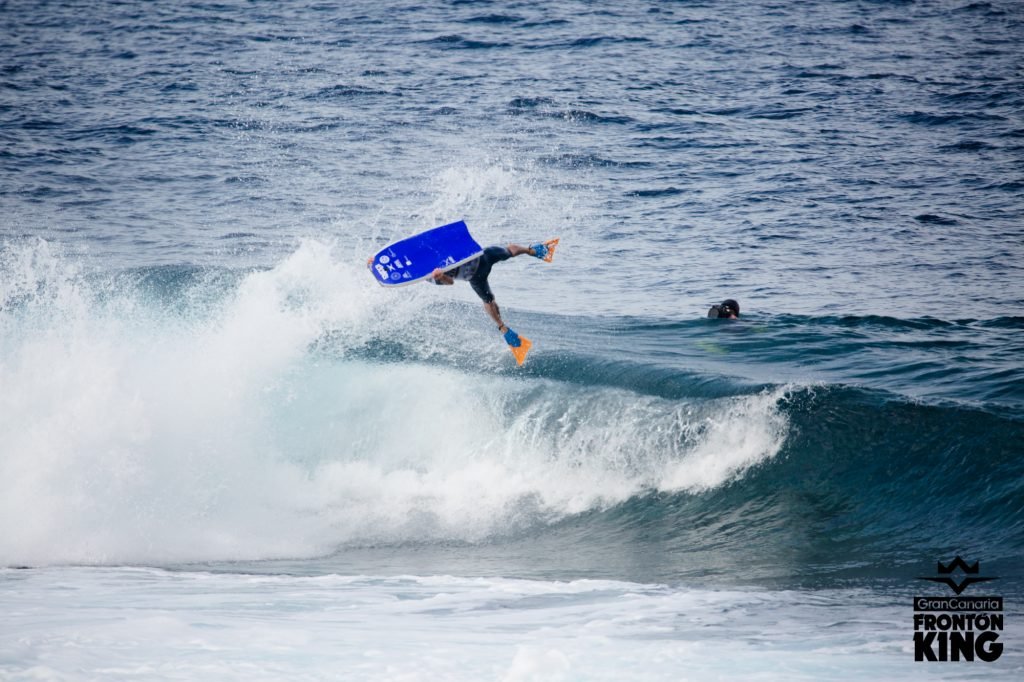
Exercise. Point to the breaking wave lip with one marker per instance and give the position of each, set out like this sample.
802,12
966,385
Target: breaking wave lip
138,431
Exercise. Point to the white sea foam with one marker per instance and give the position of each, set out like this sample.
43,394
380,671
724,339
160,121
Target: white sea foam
115,623
244,426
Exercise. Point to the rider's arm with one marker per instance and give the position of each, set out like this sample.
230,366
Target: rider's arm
440,278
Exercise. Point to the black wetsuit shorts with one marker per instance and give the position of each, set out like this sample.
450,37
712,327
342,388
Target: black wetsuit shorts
490,256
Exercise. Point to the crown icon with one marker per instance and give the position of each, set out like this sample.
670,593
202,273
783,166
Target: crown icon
967,569
970,569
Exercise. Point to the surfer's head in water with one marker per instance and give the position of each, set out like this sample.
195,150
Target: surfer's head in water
728,309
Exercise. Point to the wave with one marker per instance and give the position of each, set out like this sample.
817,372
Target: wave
458,42
177,414
495,19
545,107
862,483
941,119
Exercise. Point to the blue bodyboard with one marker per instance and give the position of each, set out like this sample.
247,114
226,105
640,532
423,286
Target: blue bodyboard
416,257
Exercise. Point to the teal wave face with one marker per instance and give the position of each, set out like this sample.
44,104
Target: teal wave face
965,361
864,485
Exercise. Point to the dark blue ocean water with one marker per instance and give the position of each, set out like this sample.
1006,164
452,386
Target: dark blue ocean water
198,374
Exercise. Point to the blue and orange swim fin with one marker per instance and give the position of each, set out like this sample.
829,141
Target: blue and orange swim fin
519,345
545,250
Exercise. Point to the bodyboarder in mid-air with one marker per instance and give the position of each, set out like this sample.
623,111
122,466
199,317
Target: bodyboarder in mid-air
477,271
